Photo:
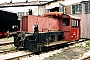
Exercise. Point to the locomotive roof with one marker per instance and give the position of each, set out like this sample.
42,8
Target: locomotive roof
59,14
75,17
53,14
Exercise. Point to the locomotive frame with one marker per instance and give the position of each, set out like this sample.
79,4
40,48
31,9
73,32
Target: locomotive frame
40,36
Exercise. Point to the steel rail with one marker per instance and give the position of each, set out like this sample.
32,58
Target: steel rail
6,42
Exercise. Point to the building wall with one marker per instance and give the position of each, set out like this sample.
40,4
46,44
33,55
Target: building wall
56,4
22,9
68,9
85,20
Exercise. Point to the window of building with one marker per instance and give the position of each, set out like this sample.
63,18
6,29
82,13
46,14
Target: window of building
77,9
62,9
73,9
87,7
58,9
27,13
20,14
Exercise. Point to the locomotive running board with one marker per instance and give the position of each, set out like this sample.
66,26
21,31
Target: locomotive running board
56,43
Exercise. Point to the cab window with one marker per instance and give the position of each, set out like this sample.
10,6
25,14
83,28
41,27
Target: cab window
74,23
65,22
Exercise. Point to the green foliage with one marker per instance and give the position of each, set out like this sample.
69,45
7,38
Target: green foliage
54,54
50,56
10,38
12,48
80,46
58,53
8,48
88,43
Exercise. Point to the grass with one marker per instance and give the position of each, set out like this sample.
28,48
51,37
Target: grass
8,48
50,56
10,38
88,43
12,48
82,38
58,53
54,54
80,46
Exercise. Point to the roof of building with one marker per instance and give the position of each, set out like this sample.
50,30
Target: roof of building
32,3
17,4
70,2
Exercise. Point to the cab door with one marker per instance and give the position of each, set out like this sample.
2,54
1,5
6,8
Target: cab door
74,30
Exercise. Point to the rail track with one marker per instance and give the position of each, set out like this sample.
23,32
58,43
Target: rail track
6,42
86,56
6,46
15,55
7,51
9,55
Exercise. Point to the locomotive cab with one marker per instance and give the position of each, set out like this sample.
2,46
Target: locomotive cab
71,27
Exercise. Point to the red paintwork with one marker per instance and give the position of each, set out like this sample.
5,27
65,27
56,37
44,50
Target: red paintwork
43,23
52,24
74,33
3,34
25,23
67,31
71,33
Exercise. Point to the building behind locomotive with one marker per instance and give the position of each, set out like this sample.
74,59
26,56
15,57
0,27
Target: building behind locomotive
38,32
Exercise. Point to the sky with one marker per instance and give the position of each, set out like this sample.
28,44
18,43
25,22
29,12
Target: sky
2,1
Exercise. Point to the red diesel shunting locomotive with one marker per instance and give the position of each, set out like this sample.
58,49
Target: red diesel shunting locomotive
38,32
69,24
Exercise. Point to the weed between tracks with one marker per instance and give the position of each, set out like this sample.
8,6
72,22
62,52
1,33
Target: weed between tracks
88,43
8,47
6,39
58,53
80,46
